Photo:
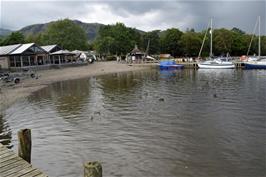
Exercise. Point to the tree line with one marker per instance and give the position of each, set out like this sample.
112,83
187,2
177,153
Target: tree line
117,39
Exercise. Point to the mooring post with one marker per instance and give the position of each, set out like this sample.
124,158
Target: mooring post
24,145
92,169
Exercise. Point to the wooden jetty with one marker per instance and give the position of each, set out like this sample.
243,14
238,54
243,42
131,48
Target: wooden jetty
13,166
187,65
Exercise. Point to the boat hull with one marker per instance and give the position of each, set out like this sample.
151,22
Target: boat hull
171,66
255,66
206,66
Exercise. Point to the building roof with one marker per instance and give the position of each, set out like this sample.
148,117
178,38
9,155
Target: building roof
62,52
136,50
5,50
79,52
48,48
22,48
19,49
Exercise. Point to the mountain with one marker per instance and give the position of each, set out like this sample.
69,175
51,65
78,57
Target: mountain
4,32
91,29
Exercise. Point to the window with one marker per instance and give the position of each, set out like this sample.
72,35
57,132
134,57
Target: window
17,61
40,60
56,59
12,61
25,60
32,61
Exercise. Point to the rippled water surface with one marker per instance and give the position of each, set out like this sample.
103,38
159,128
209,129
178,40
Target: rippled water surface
149,123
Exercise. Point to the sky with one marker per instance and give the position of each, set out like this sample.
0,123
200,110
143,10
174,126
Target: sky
145,15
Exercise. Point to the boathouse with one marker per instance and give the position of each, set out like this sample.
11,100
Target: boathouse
62,57
4,55
22,55
136,55
52,49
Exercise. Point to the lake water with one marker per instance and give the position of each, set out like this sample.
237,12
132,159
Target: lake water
148,123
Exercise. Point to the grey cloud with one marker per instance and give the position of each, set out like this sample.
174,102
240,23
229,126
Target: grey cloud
179,14
15,15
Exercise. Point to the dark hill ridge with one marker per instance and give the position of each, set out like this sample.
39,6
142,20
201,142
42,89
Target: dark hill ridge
91,29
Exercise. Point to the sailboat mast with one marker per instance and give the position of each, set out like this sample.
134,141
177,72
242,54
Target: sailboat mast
148,48
259,40
211,40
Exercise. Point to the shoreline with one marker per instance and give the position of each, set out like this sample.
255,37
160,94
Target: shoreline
11,94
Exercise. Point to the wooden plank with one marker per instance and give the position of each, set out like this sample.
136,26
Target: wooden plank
41,175
10,161
5,155
4,151
22,172
35,172
7,158
2,147
14,170
13,166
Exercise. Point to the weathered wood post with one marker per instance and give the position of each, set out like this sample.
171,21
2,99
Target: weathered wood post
24,145
92,169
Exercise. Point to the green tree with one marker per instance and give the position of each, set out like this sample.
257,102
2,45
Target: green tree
170,42
116,39
222,41
105,45
240,44
153,37
13,38
66,34
191,43
237,30
263,45
35,38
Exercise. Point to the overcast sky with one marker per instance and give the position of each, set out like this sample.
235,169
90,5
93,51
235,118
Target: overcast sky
142,14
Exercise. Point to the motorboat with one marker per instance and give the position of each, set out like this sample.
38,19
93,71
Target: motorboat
170,64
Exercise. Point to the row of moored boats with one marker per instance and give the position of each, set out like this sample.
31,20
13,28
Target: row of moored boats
221,62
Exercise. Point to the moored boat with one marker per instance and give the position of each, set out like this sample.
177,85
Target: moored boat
218,63
258,62
170,65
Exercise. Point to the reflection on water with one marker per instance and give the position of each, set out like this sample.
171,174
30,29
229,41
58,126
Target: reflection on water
68,98
149,123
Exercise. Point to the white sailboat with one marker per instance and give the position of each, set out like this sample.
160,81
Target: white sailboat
258,62
214,63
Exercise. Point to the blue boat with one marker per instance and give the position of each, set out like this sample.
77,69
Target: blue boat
255,65
258,63
170,65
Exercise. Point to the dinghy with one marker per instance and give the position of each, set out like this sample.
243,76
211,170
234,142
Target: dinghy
170,65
